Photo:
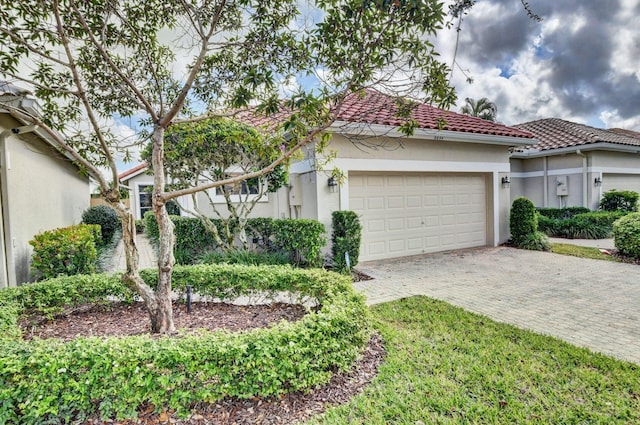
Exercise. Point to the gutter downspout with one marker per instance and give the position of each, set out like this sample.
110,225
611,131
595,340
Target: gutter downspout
8,268
585,178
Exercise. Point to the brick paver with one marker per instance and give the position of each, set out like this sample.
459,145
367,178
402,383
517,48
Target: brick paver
589,303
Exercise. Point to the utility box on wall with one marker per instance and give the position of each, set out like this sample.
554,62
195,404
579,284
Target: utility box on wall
562,186
295,190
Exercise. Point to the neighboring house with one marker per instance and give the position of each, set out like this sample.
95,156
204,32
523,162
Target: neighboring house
40,189
574,164
440,189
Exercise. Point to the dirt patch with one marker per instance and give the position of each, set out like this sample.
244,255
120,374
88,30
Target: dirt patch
121,319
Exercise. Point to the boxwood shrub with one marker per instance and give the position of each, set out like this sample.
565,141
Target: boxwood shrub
48,381
626,235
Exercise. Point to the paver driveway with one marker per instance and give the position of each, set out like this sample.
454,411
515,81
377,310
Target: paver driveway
590,303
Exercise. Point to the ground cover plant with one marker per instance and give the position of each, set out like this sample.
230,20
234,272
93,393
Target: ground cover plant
49,381
448,366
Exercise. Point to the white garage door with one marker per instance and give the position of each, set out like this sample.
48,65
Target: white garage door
620,182
408,214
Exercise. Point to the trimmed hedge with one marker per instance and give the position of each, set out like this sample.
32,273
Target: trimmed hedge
626,235
65,251
591,225
562,213
346,237
301,239
523,220
620,200
47,381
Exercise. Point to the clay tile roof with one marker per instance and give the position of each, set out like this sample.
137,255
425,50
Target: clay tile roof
131,171
377,108
374,107
554,133
624,132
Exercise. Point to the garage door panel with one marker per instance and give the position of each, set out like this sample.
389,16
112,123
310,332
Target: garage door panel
408,214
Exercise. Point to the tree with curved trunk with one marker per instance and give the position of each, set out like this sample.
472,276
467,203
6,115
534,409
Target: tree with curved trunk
96,64
483,108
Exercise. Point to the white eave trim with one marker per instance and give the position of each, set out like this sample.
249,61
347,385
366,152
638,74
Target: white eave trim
377,130
599,146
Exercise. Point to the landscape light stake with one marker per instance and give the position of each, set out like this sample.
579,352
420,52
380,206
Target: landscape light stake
188,298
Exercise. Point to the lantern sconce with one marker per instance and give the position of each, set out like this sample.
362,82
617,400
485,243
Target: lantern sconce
597,182
333,184
506,182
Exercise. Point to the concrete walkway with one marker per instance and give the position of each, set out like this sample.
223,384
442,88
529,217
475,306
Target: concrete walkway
589,303
148,258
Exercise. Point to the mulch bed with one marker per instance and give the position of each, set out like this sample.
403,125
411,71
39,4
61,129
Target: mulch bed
117,319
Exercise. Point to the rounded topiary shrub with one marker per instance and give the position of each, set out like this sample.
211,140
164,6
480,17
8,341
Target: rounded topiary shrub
626,235
48,381
105,217
523,220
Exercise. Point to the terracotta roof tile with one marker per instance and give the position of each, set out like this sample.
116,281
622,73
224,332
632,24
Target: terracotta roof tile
554,133
131,171
374,107
624,132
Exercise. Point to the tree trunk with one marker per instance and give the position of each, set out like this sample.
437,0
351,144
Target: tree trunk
157,308
161,311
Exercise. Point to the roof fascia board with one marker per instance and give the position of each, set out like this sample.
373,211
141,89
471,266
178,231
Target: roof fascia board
377,130
535,153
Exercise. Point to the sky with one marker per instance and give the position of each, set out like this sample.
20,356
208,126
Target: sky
581,63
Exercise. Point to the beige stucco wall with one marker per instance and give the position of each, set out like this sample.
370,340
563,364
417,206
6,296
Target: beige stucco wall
613,168
416,155
318,202
41,190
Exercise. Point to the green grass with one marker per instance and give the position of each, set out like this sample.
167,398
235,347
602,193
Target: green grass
580,251
449,366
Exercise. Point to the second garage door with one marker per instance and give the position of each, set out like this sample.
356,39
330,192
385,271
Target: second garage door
408,214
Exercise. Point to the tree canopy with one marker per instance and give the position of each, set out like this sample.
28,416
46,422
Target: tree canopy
482,108
159,63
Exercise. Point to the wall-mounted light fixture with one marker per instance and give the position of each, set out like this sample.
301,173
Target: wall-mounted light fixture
597,182
506,182
333,184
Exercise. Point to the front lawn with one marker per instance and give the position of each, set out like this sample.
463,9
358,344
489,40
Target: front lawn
581,251
449,366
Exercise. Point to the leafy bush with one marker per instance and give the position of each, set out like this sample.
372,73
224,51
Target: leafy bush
626,235
523,220
250,258
561,213
537,241
260,231
302,238
346,237
106,218
151,226
591,225
45,381
139,226
619,200
66,251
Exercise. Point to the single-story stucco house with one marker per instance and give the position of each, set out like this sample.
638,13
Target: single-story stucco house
40,189
574,164
443,188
